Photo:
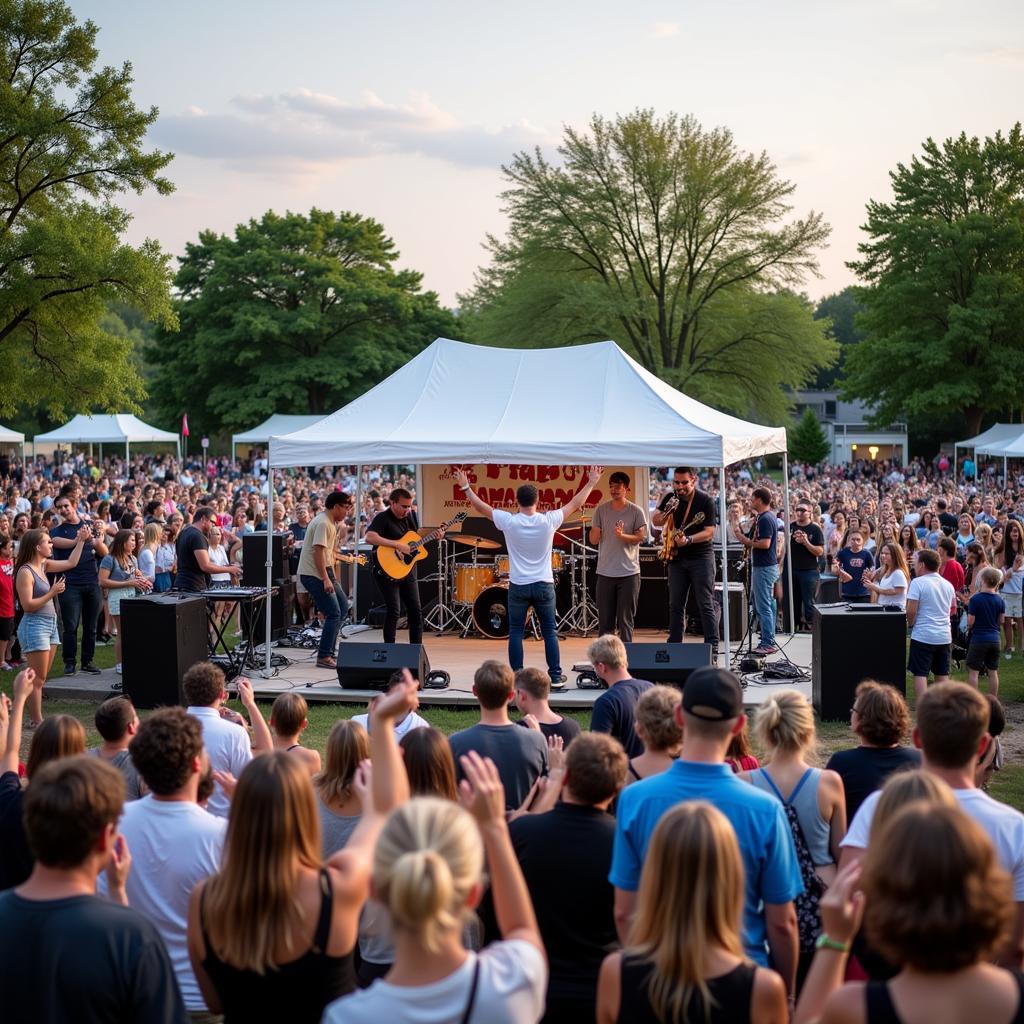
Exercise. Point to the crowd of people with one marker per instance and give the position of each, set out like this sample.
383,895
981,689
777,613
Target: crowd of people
205,865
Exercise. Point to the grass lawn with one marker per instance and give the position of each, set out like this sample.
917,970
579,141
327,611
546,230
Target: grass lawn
1008,785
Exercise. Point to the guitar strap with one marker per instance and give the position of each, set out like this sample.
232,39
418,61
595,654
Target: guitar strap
686,513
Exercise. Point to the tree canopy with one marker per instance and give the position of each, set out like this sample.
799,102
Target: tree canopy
293,314
668,239
71,140
943,268
841,309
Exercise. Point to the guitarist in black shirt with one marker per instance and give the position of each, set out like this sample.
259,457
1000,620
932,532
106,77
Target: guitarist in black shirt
692,563
387,530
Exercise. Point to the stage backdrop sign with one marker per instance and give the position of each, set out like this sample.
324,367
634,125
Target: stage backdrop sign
439,497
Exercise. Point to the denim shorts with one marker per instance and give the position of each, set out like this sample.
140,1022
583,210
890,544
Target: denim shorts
38,632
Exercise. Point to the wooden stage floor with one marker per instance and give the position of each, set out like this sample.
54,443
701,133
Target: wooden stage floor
460,658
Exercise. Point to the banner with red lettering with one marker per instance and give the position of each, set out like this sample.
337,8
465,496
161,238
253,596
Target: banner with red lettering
439,498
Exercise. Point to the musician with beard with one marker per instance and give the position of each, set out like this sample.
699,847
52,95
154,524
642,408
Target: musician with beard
691,562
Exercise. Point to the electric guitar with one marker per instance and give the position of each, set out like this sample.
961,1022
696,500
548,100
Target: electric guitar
390,563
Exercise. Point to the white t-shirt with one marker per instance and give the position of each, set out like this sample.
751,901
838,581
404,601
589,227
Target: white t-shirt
174,844
407,724
934,596
229,749
218,556
1004,825
897,578
511,989
529,543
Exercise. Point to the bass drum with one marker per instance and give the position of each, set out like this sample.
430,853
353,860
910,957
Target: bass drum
490,612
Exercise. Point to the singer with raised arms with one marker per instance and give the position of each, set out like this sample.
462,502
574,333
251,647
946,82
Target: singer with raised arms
528,536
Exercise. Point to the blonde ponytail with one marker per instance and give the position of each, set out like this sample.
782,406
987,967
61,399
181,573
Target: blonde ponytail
785,722
428,858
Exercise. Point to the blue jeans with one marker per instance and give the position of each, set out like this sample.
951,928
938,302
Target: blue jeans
80,606
541,596
762,585
334,605
805,585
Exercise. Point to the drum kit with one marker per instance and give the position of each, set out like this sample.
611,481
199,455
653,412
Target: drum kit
473,581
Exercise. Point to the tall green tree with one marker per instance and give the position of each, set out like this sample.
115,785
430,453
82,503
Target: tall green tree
71,140
668,239
943,267
808,441
293,314
841,310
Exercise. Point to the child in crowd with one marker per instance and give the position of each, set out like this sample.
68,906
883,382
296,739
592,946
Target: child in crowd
6,603
985,614
117,722
533,688
288,721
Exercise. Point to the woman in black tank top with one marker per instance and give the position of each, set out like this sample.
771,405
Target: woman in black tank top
937,902
684,961
272,935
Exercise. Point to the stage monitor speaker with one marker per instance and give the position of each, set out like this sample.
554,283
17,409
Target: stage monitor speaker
666,663
254,558
737,610
162,637
849,647
652,603
366,666
282,614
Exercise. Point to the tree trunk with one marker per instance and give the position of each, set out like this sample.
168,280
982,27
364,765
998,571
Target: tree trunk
972,419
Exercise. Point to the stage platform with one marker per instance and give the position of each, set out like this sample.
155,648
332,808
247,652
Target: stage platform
460,658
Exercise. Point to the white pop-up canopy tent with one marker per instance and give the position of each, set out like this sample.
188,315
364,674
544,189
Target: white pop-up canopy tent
271,427
119,428
8,437
989,442
588,404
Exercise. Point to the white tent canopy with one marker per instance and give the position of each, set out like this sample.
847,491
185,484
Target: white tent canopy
270,427
120,428
8,437
468,403
458,403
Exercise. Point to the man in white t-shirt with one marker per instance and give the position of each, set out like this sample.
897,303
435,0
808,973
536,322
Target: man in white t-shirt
174,843
225,736
929,598
952,733
528,536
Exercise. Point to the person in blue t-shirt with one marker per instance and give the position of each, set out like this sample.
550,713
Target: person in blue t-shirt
711,714
985,613
849,565
764,566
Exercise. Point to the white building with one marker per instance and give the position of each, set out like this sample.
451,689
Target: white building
848,430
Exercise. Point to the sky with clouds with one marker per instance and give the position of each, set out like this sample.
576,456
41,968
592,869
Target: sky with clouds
406,111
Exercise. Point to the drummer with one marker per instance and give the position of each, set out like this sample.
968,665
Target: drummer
528,536
618,529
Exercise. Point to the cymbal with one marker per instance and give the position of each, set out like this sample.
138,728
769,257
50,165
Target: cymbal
480,543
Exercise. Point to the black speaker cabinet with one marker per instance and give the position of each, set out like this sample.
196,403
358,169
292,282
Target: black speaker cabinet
652,604
162,637
737,610
666,663
282,614
365,666
850,646
254,558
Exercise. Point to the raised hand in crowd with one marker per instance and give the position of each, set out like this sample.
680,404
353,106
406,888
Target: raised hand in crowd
118,867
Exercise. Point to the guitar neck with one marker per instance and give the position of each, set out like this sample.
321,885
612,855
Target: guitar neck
434,534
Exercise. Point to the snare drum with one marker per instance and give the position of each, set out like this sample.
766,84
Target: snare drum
501,566
470,580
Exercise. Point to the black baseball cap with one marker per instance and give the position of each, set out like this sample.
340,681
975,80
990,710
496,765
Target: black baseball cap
713,694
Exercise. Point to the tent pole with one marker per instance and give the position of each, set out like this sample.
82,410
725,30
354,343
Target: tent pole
269,567
787,540
355,530
724,642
